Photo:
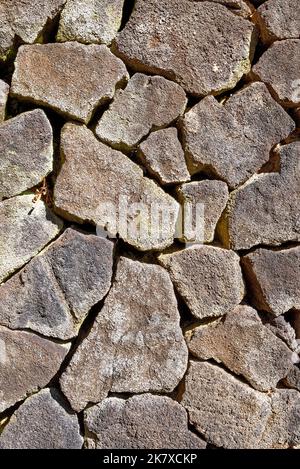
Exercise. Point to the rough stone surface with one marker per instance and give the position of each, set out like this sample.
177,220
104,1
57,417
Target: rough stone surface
42,422
283,329
94,175
4,90
155,40
26,151
238,7
27,364
213,195
279,68
53,294
233,140
90,21
26,228
140,422
243,344
274,279
227,412
71,78
135,345
147,103
252,217
24,20
163,156
208,278
279,19
292,380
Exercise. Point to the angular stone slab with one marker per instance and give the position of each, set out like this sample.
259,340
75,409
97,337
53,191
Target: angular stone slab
26,228
163,156
226,411
209,279
70,78
27,363
24,20
273,277
213,195
155,40
279,68
146,104
140,422
233,140
98,184
285,331
26,151
4,90
279,19
292,380
42,422
252,217
90,21
243,344
135,345
53,294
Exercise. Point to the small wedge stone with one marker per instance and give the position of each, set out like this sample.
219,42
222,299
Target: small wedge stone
43,421
135,345
279,19
26,228
234,140
90,21
140,422
146,104
70,78
26,150
4,91
208,278
285,331
292,380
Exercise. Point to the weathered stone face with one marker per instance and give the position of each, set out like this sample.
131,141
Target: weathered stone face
209,279
285,331
163,156
279,19
26,228
27,364
90,21
234,140
24,20
53,294
274,279
227,412
4,90
213,195
93,175
292,380
140,422
71,78
135,345
238,7
148,103
26,152
243,344
42,422
279,69
155,40
252,217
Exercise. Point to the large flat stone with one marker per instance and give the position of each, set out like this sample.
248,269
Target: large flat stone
42,422
146,104
26,150
211,58
103,186
252,217
53,294
140,422
208,278
90,21
243,344
279,19
233,140
273,278
71,78
26,228
27,364
135,345
4,90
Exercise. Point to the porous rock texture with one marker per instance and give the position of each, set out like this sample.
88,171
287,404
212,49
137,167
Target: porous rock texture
149,224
